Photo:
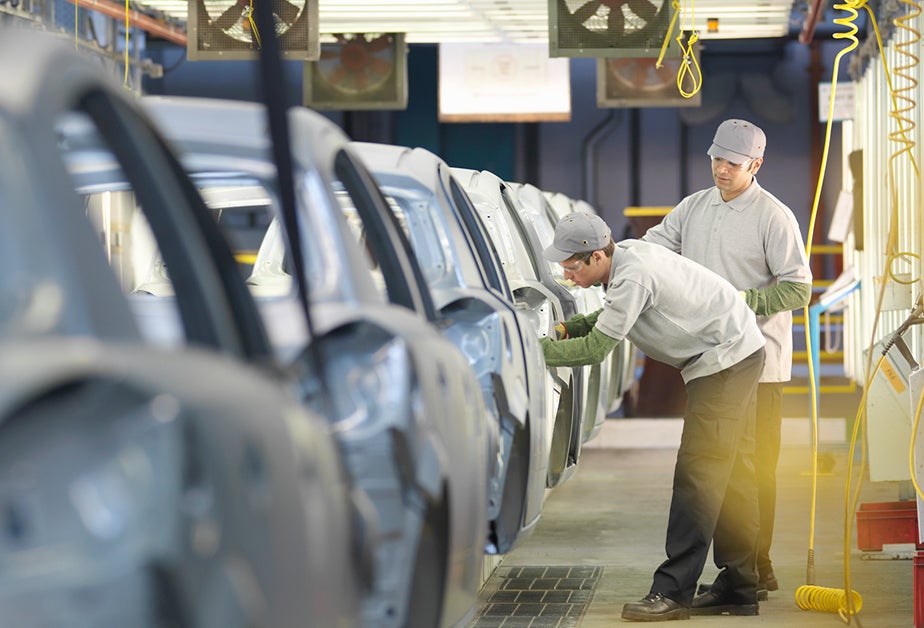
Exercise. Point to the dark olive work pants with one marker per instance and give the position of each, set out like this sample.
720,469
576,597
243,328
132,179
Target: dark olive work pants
715,487
769,424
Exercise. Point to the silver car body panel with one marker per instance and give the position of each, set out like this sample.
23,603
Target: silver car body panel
535,289
144,492
625,355
536,209
403,394
561,203
484,323
147,486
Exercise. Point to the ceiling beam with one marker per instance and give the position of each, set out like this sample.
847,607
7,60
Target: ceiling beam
139,20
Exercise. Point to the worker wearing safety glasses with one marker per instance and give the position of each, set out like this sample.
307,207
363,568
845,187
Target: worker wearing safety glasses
749,237
678,312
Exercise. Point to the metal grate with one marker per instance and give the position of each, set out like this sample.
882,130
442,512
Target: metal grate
537,597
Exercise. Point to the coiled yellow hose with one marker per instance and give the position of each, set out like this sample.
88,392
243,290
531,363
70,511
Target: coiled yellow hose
807,593
811,598
846,602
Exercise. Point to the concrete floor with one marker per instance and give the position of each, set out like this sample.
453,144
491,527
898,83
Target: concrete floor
613,512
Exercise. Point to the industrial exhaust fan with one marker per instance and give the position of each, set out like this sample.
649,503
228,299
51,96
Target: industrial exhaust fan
610,28
226,29
625,82
358,71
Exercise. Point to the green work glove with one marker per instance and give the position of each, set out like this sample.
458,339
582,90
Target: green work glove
589,349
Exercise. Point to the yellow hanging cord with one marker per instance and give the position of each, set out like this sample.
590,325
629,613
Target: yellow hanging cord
675,5
253,25
807,596
906,124
904,127
689,70
689,66
76,24
820,598
813,388
125,82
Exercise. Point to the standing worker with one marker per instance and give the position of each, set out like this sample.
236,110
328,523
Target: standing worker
740,231
680,313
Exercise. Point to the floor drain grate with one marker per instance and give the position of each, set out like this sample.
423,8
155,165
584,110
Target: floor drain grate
537,597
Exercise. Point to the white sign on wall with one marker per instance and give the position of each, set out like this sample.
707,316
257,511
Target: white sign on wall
842,218
502,83
844,104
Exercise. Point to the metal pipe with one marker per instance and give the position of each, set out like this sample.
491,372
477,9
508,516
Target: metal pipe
635,157
589,156
684,162
808,25
139,20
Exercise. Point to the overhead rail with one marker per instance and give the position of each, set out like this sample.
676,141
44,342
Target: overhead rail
135,18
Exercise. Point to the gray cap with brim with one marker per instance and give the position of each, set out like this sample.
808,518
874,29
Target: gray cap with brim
738,141
577,233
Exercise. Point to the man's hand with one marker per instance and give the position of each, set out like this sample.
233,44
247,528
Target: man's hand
561,332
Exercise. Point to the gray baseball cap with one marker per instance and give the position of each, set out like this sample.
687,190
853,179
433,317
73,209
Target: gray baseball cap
738,141
579,232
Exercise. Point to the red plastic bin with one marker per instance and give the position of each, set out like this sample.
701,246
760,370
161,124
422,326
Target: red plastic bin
886,522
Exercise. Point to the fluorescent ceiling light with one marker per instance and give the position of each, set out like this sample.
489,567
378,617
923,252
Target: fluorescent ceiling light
510,21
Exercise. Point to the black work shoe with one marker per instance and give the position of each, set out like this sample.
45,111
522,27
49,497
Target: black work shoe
762,594
714,604
654,607
768,582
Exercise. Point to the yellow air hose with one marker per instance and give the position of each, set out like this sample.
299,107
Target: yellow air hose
810,596
689,72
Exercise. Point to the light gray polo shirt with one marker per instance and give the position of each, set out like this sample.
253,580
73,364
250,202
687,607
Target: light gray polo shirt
676,311
754,242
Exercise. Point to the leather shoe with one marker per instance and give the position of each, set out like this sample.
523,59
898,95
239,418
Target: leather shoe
768,582
762,594
654,607
712,603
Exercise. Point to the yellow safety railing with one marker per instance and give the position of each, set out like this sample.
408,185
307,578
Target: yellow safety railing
651,210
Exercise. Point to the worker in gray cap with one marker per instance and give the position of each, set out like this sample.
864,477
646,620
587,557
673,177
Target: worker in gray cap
681,313
746,235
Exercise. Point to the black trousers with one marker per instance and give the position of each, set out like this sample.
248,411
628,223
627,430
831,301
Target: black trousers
715,487
769,423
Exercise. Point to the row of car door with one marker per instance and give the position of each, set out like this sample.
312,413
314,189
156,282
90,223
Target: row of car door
271,417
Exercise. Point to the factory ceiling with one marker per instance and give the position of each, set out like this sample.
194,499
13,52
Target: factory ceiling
508,21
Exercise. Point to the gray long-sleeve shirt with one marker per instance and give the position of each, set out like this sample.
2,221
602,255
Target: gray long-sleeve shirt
753,241
676,311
